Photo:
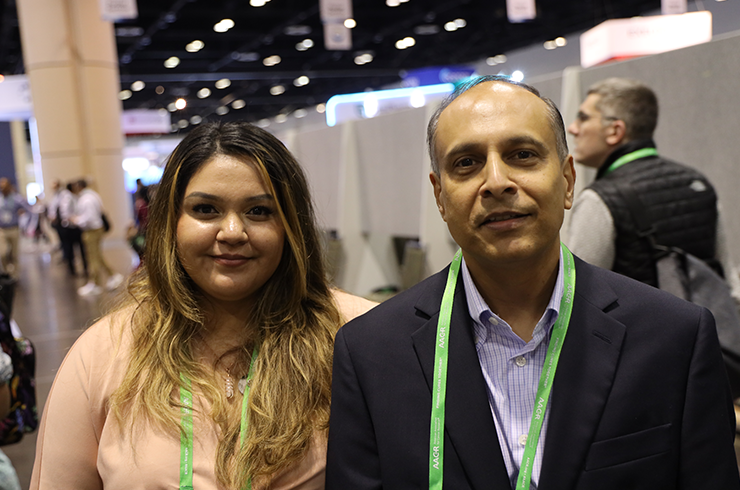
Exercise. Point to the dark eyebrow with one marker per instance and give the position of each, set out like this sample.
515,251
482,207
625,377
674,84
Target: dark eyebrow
213,197
463,148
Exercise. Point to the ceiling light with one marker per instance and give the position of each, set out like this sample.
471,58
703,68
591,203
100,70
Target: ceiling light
183,123
417,99
138,86
196,119
224,25
500,58
238,104
223,83
159,90
277,90
364,58
257,3
561,41
222,110
460,23
321,108
517,76
173,128
162,111
300,47
301,81
550,45
180,104
404,43
125,94
195,46
350,23
308,43
203,93
450,26
263,123
300,113
171,107
272,60
393,3
171,62
404,1
281,118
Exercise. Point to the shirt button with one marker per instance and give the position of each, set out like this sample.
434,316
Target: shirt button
492,320
520,361
523,440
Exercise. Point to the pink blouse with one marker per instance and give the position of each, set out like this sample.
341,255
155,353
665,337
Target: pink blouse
79,447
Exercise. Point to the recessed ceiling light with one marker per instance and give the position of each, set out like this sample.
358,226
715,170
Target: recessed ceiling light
195,46
138,86
301,81
222,84
196,119
561,41
281,118
183,123
272,60
222,110
180,104
350,23
321,108
125,94
238,104
277,90
159,90
171,62
203,93
300,113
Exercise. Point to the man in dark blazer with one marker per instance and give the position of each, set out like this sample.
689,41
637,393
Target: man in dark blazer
639,398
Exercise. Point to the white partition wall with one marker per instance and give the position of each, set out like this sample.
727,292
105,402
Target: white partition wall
379,167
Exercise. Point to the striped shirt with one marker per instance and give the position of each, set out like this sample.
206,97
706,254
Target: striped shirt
512,368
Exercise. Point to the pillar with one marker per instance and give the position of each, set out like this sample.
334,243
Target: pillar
72,67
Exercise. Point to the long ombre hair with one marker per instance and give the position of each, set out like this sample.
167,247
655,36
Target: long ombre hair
295,318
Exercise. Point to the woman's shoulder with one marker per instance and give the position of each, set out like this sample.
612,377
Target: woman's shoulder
105,338
351,306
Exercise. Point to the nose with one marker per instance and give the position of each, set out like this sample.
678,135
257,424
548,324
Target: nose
232,229
573,128
497,178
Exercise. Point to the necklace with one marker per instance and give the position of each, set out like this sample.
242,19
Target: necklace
228,379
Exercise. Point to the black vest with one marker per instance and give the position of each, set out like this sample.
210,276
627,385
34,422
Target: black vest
681,202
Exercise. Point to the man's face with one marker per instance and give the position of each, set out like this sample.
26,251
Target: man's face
591,134
501,189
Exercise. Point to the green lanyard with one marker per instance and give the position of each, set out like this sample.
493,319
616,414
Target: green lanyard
439,385
186,422
630,157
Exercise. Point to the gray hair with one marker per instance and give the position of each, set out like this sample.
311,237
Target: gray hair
630,101
553,114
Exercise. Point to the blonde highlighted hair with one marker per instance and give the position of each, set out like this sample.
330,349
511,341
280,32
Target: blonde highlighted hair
294,318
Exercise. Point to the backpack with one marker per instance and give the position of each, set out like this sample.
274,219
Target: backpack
690,278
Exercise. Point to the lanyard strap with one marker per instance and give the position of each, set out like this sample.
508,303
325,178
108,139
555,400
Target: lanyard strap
439,385
630,157
186,422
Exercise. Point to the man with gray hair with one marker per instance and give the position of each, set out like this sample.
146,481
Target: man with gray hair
613,133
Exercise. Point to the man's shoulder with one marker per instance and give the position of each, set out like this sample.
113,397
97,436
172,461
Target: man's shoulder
406,310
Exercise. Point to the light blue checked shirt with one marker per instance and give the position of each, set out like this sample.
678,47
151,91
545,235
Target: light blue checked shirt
512,368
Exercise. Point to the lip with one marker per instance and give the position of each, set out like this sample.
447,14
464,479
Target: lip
504,220
230,259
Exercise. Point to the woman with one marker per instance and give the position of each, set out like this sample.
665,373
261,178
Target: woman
232,298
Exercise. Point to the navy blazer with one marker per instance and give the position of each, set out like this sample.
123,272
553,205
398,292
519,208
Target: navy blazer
639,401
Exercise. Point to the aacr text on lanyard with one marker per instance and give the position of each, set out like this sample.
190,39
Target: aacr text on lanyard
439,386
186,422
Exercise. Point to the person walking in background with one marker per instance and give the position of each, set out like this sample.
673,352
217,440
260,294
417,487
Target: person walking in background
70,234
89,217
11,204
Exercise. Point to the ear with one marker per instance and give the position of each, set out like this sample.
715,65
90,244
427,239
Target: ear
569,174
616,133
437,185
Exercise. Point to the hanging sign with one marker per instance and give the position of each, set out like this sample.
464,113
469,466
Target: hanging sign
670,7
113,10
337,37
521,10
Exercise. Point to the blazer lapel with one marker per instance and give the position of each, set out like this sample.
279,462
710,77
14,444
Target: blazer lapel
582,382
468,420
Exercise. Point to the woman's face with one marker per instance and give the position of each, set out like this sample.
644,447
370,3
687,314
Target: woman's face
229,235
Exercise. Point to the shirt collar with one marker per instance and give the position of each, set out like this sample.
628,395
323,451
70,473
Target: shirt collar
482,314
